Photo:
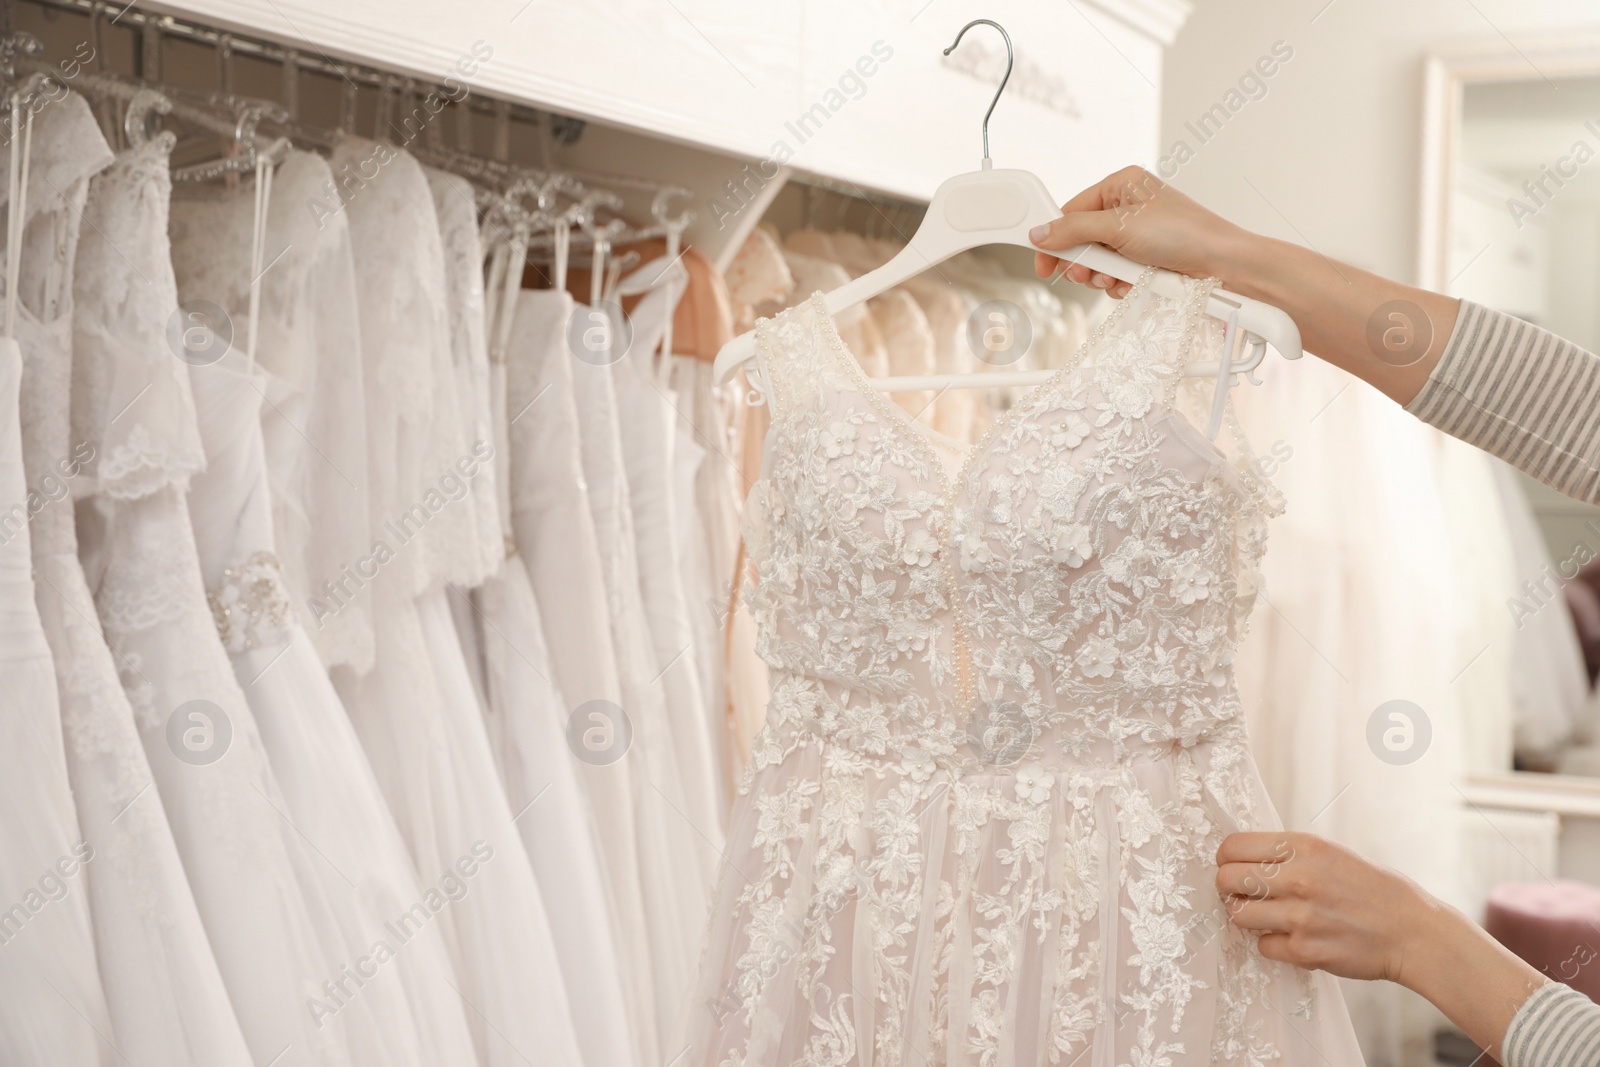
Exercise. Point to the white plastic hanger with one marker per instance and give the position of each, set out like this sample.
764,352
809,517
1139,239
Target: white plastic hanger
990,206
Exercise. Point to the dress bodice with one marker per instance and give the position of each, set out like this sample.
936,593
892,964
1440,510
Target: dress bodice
1070,588
308,355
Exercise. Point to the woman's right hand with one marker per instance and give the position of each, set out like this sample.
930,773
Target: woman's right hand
1136,213
1317,904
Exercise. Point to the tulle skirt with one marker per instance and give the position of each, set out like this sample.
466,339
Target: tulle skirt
880,910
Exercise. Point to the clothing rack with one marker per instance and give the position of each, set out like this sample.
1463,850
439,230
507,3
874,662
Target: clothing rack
392,90
153,28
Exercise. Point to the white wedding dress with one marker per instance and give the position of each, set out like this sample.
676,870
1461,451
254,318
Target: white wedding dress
1004,742
52,1003
676,844
415,711
404,981
527,724
648,412
52,1008
251,872
553,529
164,991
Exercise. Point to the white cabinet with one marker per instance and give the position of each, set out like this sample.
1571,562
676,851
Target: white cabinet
855,90
734,75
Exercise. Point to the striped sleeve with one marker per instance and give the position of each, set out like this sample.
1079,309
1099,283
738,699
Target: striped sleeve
1520,393
1555,1027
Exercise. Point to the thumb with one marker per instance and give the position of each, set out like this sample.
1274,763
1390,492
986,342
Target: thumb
1077,227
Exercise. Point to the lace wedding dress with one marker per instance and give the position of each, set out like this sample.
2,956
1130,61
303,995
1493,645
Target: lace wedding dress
164,991
251,872
1004,742
265,428
415,711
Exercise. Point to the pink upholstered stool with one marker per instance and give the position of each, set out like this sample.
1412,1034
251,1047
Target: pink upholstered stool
1553,925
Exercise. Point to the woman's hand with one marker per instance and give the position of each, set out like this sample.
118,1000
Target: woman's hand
1136,213
1318,905
1381,331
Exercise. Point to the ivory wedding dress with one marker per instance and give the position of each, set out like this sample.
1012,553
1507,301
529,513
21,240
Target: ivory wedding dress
527,722
53,1009
555,536
165,993
1004,741
416,712
677,846
649,413
404,978
252,873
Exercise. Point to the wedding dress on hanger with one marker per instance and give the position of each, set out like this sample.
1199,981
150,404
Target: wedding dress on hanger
165,995
1004,742
554,532
527,721
680,847
477,555
415,711
53,1009
252,874
271,426
648,418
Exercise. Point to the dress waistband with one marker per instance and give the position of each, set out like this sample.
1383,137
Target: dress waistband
805,710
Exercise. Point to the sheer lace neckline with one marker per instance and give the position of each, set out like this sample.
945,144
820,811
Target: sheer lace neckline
941,447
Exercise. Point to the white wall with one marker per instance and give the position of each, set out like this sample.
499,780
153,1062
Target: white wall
1332,149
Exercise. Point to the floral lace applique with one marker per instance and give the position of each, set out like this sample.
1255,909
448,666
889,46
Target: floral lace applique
251,603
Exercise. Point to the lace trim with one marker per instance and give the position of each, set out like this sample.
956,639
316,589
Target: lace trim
141,464
251,603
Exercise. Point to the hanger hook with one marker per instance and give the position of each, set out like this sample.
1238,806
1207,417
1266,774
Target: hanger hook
1011,58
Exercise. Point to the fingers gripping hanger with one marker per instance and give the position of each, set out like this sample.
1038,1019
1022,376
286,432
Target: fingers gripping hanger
1000,206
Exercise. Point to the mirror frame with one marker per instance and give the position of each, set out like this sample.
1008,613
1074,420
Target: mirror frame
1446,71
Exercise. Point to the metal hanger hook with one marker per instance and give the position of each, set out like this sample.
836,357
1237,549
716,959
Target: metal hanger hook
1011,59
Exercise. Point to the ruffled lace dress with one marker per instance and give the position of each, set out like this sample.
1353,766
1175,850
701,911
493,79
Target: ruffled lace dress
1004,741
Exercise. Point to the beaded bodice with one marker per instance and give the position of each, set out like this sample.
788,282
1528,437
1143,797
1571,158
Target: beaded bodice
1068,589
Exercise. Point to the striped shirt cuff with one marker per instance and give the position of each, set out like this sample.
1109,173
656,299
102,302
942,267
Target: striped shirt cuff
1520,393
1555,1027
